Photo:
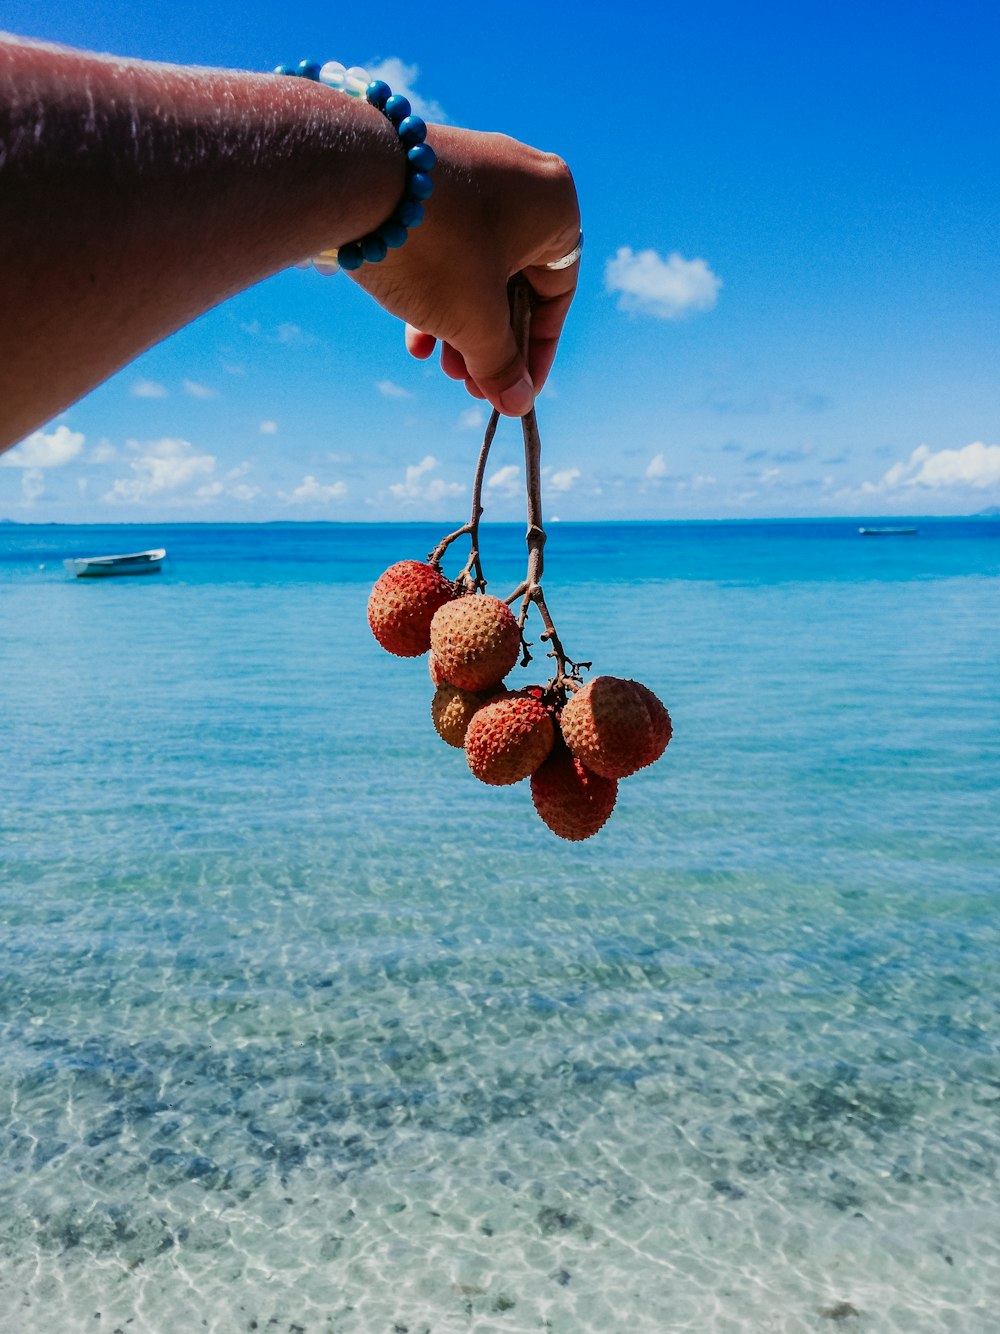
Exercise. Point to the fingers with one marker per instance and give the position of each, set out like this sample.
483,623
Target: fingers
555,290
494,371
453,363
497,369
418,343
547,320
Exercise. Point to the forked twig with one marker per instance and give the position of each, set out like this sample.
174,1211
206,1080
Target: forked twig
472,527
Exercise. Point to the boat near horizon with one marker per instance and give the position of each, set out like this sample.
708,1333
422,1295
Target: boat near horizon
888,532
134,562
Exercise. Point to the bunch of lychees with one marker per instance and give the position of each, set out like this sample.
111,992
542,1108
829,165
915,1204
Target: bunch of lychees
573,741
574,744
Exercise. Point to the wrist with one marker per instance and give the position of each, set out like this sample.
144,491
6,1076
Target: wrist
418,157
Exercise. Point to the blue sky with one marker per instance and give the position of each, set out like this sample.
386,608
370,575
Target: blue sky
789,305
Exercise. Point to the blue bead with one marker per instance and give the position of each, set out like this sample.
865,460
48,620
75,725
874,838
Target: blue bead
410,213
373,248
350,257
393,233
420,185
309,69
411,131
285,69
397,108
422,158
378,93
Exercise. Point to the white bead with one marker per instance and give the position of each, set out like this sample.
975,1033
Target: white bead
357,81
326,263
333,75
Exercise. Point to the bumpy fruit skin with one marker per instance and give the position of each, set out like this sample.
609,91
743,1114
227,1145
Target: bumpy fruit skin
402,605
615,727
475,641
572,800
452,709
508,739
659,718
437,676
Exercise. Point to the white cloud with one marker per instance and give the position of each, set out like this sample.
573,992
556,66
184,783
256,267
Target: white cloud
976,465
287,334
656,468
103,452
32,485
44,449
161,466
417,488
390,390
199,390
695,482
472,419
148,389
668,288
313,492
291,335
505,481
269,428
244,492
401,77
565,480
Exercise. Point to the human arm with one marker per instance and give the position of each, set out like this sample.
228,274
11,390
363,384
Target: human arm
135,196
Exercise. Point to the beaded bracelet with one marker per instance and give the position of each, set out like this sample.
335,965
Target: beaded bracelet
420,160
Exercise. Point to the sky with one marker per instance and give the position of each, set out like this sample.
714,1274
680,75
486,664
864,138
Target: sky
789,299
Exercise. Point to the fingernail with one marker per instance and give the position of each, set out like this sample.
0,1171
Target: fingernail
517,400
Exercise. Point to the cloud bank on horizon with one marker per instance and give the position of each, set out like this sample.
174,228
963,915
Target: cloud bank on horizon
172,475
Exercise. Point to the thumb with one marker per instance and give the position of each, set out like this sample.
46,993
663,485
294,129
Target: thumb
498,370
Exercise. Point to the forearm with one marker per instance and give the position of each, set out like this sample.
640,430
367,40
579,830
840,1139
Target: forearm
135,196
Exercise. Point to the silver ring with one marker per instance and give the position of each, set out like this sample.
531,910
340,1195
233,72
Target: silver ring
567,260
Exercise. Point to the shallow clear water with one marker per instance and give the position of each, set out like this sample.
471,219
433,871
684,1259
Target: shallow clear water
304,1029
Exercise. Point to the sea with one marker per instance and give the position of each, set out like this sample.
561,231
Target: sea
303,1029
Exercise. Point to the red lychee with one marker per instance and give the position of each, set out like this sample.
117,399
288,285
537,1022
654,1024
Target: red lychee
572,800
475,641
437,676
452,710
508,739
615,727
402,605
658,716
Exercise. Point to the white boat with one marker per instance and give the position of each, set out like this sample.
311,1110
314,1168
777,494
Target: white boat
136,562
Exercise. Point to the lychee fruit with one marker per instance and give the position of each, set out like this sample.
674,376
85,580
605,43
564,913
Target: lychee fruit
658,716
402,605
452,710
437,675
475,641
508,739
572,800
615,727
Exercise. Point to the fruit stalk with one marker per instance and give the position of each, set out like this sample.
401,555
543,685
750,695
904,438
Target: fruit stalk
465,576
567,672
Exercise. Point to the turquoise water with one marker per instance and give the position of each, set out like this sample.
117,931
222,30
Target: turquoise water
305,1030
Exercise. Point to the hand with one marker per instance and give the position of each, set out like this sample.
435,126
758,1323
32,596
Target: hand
498,208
